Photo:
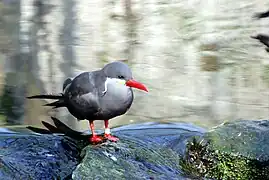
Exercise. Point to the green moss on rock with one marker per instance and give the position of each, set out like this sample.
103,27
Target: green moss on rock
234,150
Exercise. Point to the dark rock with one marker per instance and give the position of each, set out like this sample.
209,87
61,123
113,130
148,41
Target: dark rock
145,151
28,156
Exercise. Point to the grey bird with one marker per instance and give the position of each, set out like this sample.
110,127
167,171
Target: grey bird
97,95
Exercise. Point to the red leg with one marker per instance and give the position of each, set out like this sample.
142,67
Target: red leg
94,138
107,133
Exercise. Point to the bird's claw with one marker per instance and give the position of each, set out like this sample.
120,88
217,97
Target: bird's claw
96,139
111,138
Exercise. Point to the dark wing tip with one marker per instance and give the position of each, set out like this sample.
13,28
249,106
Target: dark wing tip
261,15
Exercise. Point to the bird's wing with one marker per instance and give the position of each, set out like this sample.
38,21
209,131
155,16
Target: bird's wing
83,92
82,84
67,83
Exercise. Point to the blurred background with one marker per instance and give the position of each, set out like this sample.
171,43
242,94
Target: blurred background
195,56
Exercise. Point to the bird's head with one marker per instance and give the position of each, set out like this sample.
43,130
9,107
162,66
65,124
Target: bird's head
122,74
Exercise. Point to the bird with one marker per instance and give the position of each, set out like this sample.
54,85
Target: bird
102,94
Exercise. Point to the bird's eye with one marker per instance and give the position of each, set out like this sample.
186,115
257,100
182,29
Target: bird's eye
120,77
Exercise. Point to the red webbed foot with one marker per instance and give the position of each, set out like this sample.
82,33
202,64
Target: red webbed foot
107,135
96,139
111,138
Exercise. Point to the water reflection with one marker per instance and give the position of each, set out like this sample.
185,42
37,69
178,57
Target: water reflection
200,66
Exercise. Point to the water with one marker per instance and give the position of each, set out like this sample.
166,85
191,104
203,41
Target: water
196,57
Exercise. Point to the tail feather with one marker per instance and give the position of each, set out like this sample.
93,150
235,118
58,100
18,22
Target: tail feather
46,96
56,104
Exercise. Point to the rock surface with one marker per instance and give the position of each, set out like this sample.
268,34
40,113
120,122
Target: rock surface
233,150
249,139
29,156
146,151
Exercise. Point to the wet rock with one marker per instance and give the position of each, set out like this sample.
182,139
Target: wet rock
233,150
147,151
28,156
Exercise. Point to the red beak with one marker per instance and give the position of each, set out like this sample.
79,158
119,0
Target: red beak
135,84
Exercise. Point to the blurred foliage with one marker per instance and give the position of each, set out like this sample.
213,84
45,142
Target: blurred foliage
12,104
